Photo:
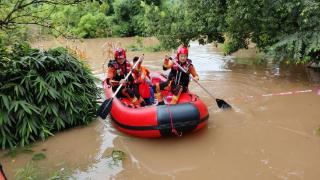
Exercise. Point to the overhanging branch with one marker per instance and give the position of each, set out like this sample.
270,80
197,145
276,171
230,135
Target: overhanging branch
21,5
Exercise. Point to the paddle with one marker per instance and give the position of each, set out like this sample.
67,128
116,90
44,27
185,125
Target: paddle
220,102
105,107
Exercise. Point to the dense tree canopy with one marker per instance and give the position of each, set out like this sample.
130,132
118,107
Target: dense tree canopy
16,12
281,28
285,29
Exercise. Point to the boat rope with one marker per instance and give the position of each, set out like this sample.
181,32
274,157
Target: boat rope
173,129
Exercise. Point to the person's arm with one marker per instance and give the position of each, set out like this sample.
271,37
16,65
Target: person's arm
146,73
130,79
167,64
110,75
194,73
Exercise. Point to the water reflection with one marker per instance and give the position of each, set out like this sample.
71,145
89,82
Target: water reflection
104,166
205,59
274,70
314,76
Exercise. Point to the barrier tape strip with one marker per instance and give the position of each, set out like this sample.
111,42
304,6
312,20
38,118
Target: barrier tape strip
316,90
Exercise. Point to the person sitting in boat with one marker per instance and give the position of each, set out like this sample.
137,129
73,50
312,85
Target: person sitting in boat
178,81
142,82
116,73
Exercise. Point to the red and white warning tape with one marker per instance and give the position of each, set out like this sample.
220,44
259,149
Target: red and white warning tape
316,90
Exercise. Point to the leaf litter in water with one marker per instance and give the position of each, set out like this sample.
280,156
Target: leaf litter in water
13,152
116,156
38,156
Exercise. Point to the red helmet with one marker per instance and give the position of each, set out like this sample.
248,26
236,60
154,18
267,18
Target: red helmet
119,53
182,50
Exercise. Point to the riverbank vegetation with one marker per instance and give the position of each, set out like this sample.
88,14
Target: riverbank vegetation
42,92
280,29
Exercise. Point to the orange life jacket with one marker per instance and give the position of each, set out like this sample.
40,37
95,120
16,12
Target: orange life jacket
143,86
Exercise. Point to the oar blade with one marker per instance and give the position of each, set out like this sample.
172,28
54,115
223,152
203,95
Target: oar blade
105,108
222,104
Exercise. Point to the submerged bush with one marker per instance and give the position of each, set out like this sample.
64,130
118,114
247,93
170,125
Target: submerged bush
42,92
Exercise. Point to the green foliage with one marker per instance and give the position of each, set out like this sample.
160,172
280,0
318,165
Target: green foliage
282,29
155,48
110,9
38,156
29,172
66,18
138,25
128,16
177,23
234,43
166,24
91,19
93,25
61,174
18,17
126,9
11,36
116,156
153,2
85,20
137,46
42,92
285,30
32,171
13,152
206,20
122,29
75,18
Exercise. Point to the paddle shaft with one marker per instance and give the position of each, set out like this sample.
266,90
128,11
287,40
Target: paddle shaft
180,67
127,76
105,107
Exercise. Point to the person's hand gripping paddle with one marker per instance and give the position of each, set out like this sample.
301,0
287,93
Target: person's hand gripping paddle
220,102
105,107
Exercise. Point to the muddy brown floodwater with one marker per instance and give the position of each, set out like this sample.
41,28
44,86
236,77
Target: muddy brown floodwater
271,132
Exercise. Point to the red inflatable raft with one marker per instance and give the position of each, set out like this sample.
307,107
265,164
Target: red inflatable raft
2,176
190,114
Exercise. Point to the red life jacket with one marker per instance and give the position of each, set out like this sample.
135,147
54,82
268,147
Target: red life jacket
144,90
121,69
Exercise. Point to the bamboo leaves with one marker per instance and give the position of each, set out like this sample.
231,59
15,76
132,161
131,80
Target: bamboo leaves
5,100
23,105
4,118
42,92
